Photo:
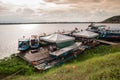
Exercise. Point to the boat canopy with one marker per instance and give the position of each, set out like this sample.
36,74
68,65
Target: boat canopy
86,34
57,38
23,39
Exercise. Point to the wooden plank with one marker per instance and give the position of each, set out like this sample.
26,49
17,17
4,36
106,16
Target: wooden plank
107,42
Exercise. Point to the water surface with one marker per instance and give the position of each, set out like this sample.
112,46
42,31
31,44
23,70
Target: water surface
9,34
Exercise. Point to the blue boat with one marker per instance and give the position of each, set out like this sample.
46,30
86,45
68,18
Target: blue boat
109,34
34,42
23,44
105,32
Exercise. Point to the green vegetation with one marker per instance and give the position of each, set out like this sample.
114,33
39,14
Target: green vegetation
100,63
13,64
114,19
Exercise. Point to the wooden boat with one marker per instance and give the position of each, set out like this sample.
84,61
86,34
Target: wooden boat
60,56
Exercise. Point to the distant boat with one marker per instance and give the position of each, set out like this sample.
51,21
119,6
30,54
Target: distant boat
34,42
23,44
109,34
95,28
85,34
105,32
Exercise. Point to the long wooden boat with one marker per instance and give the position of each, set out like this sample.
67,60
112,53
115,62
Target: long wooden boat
61,56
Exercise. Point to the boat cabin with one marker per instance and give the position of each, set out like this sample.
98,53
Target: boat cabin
23,44
86,37
34,42
95,28
113,31
110,34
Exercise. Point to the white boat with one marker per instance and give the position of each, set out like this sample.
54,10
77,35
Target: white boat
85,34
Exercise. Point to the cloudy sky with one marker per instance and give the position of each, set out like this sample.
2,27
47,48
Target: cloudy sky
57,10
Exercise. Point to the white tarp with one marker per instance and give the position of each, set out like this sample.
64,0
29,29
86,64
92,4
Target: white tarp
86,34
57,38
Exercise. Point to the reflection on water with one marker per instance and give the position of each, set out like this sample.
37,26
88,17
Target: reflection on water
9,34
28,27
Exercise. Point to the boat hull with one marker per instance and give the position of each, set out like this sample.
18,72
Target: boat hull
23,48
35,46
115,36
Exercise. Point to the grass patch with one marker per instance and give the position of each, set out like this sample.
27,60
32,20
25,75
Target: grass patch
101,68
84,67
95,52
13,64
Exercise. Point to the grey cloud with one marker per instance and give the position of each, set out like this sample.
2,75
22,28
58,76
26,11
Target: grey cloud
4,8
14,18
72,1
28,10
78,10
25,11
85,10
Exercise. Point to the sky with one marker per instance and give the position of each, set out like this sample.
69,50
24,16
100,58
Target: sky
57,10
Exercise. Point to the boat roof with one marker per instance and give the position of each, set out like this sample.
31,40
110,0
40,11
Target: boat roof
57,38
97,26
33,38
100,26
62,51
23,39
114,29
86,34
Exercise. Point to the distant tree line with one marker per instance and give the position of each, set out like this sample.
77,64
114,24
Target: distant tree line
114,19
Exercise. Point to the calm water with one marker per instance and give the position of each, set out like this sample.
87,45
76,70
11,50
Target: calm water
9,34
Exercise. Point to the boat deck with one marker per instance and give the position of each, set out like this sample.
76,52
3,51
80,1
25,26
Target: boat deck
39,55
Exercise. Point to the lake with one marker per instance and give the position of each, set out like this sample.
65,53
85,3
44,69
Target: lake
9,34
